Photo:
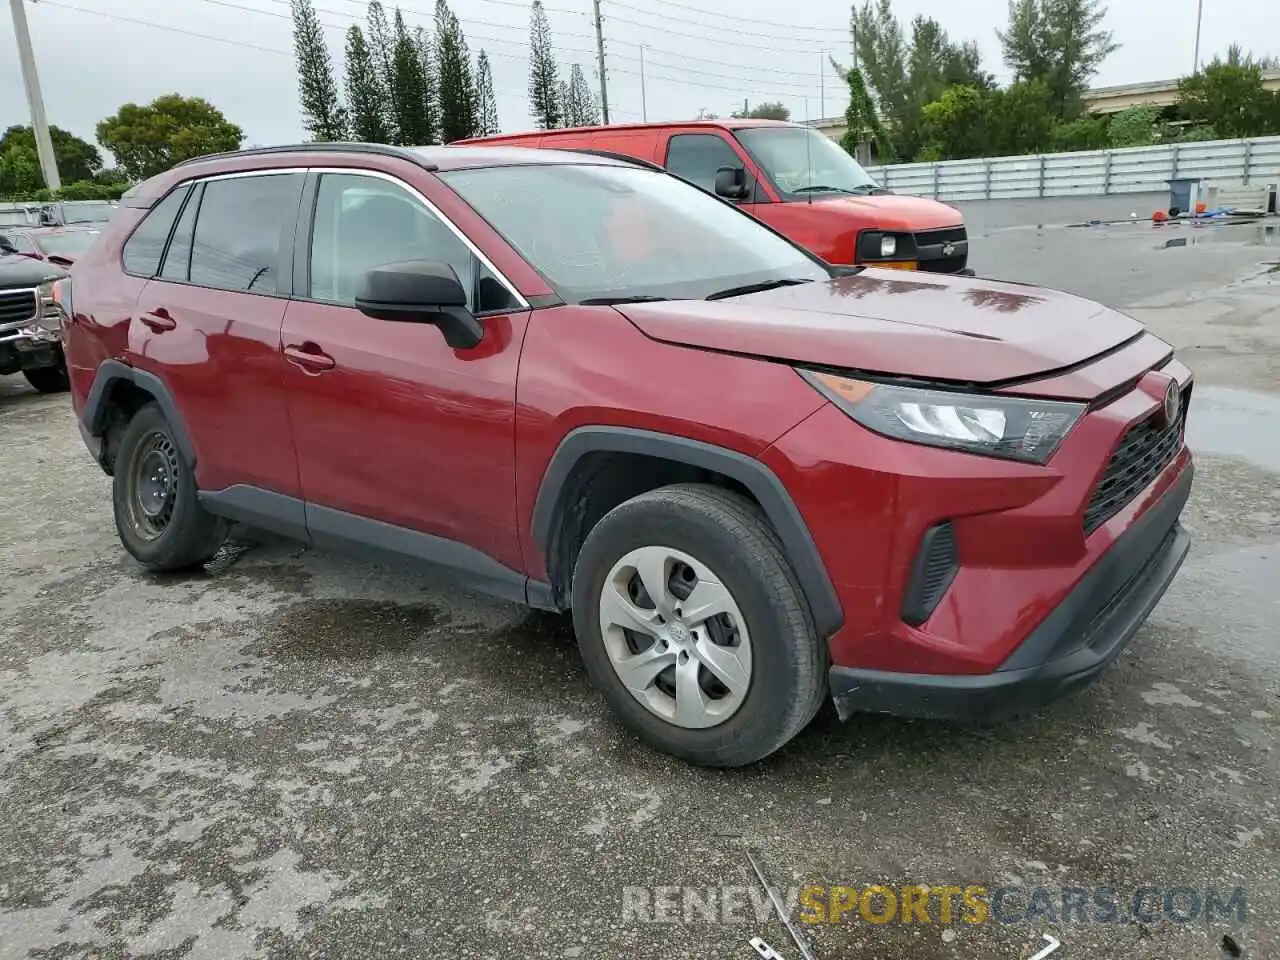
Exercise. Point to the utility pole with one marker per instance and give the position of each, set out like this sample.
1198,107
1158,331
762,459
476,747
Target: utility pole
604,91
644,103
35,100
822,85
1195,67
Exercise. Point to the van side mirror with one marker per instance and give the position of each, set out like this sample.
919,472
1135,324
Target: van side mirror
421,291
731,183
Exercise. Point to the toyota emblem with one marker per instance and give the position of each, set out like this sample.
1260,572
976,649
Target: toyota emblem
1172,402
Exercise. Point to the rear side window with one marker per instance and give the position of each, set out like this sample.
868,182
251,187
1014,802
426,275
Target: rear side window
239,231
143,250
697,156
177,261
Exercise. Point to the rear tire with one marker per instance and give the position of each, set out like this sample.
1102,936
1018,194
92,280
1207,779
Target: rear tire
158,517
722,690
49,379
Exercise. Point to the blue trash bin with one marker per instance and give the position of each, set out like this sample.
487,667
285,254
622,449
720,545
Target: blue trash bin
1180,190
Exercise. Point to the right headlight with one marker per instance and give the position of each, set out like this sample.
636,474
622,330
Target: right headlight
1014,428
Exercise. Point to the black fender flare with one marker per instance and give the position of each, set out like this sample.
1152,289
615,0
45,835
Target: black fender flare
764,485
97,404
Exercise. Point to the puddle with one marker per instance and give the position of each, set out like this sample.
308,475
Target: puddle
1227,422
1245,232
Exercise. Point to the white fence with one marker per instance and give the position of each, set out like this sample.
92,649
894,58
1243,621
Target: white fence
1087,173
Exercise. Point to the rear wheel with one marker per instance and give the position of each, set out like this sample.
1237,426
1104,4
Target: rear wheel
49,379
692,624
158,518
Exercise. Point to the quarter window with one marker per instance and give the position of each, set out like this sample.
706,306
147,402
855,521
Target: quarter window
697,156
143,250
239,229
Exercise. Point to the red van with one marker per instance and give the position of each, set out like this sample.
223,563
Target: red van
796,180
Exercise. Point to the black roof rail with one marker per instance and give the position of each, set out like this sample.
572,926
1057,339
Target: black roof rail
381,149
612,155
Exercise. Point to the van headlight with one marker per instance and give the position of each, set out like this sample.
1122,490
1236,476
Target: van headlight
1014,428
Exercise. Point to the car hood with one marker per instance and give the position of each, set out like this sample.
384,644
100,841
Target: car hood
16,271
893,212
882,321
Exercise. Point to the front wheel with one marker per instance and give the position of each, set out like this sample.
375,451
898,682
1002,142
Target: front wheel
49,379
691,622
158,517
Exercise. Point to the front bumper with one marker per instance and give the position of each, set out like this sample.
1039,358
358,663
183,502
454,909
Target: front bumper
28,348
1067,651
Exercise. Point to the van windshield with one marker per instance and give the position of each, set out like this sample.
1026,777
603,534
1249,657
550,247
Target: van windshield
802,162
612,233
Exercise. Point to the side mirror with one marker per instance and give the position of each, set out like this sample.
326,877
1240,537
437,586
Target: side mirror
731,183
421,291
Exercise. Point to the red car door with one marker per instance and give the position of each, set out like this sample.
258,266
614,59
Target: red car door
402,440
208,325
696,155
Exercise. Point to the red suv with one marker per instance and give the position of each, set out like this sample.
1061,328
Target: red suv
757,480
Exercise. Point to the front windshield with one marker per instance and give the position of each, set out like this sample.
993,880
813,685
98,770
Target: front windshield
803,161
67,244
605,232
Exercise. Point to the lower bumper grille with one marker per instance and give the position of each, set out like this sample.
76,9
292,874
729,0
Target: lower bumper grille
1145,450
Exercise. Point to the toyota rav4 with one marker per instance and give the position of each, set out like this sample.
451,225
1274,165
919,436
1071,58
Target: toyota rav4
756,480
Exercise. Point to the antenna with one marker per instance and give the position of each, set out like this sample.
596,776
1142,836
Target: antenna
808,154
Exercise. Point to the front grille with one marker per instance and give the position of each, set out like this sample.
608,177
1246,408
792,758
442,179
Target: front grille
17,307
935,567
929,244
1145,450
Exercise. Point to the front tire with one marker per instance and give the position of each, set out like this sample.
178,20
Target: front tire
49,379
158,517
692,624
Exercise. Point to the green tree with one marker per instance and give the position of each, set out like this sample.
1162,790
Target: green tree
366,97
19,171
410,94
456,85
579,106
544,76
77,159
1083,133
149,139
323,115
486,103
905,74
1230,98
956,125
860,118
1020,118
765,111
1134,127
426,58
1059,42
381,41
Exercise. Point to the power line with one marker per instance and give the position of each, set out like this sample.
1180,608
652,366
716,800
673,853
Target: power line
738,30
726,41
754,19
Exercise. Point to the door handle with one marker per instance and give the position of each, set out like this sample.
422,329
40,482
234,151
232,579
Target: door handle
309,357
158,320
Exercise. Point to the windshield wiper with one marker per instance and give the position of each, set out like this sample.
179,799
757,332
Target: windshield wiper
820,188
756,288
611,301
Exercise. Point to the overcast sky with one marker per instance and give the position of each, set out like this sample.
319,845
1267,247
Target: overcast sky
94,55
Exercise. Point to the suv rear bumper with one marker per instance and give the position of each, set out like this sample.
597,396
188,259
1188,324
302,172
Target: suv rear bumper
1067,650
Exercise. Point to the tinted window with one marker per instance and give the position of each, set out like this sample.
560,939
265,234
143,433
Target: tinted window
239,229
143,250
364,222
177,261
697,157
598,231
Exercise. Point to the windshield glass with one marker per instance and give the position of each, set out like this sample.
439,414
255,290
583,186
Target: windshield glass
800,160
67,244
619,232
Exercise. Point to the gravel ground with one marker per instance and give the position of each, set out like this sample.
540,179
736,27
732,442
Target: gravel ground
295,755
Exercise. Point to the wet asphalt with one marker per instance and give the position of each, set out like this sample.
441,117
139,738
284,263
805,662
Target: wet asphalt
292,754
